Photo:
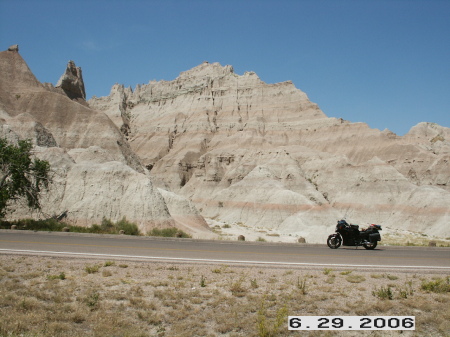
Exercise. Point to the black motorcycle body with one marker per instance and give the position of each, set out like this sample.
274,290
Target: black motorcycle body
350,235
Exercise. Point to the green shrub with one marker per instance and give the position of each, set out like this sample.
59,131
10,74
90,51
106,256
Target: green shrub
128,227
52,225
107,225
271,327
237,289
92,269
301,285
92,300
383,293
96,229
170,232
327,271
407,290
437,286
354,278
61,276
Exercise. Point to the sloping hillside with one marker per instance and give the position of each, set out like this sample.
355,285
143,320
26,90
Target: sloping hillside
265,156
96,173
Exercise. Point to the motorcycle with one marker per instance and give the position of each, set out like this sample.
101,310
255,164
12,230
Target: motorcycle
350,235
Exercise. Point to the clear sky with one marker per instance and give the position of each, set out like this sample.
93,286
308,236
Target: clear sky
382,62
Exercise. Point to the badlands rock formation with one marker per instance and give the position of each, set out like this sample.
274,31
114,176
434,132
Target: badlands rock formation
96,173
263,155
71,82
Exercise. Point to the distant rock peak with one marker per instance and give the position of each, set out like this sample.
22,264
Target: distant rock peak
71,82
207,69
14,47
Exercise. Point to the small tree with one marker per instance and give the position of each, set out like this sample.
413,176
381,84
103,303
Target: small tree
21,175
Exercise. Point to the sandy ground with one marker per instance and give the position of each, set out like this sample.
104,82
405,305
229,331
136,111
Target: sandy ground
390,236
45,296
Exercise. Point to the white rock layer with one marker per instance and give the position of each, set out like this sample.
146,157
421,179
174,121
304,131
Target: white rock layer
264,155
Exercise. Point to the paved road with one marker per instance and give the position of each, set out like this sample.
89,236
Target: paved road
228,252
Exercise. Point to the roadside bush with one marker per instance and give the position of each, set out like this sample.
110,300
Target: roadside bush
437,286
384,293
110,227
171,232
128,227
52,225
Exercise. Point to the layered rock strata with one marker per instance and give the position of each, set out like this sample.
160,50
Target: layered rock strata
71,82
95,172
263,155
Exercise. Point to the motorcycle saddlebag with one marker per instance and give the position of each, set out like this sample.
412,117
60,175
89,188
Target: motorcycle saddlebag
374,237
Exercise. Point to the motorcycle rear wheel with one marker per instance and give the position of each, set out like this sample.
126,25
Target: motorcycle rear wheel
334,241
370,246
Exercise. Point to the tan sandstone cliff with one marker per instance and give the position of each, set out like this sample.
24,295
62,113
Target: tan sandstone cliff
96,174
244,151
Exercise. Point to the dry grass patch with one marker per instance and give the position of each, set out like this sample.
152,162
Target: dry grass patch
354,278
156,299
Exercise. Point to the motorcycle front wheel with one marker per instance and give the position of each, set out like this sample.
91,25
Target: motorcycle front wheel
334,241
370,246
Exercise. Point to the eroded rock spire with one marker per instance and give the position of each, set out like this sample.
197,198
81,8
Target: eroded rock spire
72,82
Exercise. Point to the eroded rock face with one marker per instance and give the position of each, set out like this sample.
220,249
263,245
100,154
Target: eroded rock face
185,215
14,47
96,174
230,146
26,103
264,155
72,82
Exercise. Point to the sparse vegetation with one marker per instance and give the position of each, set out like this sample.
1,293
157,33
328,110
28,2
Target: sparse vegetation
237,289
111,227
327,271
301,285
270,328
171,232
354,278
23,177
384,293
407,290
92,269
439,285
414,239
254,284
61,276
43,296
52,225
202,281
107,226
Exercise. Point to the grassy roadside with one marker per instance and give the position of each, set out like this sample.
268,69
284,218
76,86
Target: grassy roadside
107,226
126,227
43,296
416,239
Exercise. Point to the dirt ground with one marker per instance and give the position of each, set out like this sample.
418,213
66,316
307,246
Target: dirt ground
48,296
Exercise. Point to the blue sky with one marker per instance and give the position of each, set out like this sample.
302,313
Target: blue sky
385,63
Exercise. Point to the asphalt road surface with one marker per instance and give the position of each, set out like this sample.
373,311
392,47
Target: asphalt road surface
107,247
